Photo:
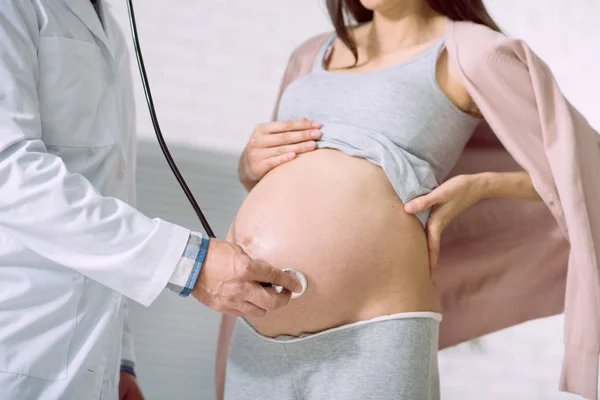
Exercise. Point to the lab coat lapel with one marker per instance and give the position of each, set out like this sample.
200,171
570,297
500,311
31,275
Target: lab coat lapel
86,13
110,27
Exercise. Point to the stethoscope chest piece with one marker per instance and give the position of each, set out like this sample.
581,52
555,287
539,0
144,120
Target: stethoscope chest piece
298,275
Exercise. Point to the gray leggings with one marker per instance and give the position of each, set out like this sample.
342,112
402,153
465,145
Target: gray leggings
390,357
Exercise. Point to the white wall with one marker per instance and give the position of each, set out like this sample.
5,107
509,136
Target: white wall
215,66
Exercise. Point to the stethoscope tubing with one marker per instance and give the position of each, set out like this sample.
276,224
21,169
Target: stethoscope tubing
155,124
163,144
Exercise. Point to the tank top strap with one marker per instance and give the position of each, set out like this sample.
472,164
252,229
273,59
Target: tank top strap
324,52
437,47
441,43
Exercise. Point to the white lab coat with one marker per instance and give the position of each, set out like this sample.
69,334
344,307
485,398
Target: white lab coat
71,244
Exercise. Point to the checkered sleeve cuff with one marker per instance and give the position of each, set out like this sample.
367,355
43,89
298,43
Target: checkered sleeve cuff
188,268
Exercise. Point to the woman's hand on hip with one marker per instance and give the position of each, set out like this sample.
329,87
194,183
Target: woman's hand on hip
273,144
448,201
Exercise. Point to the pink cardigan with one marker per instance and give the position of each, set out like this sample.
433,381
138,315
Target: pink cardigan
507,261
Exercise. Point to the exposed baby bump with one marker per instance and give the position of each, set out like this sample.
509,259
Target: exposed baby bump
295,240
338,220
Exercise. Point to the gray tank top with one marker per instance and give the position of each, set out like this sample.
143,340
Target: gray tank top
397,118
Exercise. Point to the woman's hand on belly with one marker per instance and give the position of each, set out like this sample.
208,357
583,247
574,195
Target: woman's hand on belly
273,144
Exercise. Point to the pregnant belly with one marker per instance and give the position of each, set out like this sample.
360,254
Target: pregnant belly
337,219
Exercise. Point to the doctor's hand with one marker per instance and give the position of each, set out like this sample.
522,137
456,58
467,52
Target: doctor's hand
128,387
273,144
230,282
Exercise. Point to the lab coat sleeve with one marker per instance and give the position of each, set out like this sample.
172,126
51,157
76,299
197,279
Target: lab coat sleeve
127,343
58,214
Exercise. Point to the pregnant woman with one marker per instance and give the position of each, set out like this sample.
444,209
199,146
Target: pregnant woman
380,118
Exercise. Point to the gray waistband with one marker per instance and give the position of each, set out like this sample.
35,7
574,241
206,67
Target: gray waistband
291,339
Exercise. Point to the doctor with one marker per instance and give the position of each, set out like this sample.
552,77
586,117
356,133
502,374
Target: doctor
72,246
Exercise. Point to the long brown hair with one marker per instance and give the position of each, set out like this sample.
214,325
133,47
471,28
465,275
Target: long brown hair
456,10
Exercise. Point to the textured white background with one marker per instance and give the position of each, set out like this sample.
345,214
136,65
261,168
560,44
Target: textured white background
215,66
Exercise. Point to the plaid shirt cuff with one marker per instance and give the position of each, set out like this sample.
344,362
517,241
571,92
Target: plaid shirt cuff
188,268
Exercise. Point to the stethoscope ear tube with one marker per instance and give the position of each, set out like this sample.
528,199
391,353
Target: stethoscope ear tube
159,136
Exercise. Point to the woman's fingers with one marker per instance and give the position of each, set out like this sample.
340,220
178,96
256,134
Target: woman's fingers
292,137
268,164
434,236
434,250
435,226
293,148
423,202
276,143
286,126
267,159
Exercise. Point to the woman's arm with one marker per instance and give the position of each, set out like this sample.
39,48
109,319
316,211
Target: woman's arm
476,187
461,192
457,194
507,184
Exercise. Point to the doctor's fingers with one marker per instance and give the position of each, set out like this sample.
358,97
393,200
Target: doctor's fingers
247,308
261,271
243,308
267,298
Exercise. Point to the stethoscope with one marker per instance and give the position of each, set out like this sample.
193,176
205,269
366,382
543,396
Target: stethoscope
161,141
